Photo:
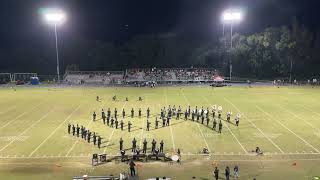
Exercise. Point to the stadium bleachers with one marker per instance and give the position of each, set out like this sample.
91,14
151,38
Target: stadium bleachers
141,75
170,74
93,77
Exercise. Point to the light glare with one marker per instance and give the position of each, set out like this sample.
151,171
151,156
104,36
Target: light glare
55,17
231,16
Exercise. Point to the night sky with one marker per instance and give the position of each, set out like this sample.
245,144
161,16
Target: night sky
119,20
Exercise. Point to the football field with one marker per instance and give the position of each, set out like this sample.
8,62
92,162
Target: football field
284,122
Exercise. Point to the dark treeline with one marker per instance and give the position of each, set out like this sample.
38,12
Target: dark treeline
275,51
267,54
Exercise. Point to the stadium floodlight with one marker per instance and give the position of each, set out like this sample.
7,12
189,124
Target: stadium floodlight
231,17
55,17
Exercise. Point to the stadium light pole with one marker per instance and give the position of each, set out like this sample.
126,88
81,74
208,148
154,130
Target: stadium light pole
55,17
231,17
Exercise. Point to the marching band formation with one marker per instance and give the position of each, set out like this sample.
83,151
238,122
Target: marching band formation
198,115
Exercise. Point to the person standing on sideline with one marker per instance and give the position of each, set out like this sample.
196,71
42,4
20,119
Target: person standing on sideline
132,170
236,171
161,146
216,173
227,172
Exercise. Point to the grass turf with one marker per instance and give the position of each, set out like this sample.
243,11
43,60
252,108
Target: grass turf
283,122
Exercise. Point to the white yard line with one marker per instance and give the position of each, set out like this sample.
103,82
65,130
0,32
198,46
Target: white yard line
288,129
229,129
235,137
309,109
109,139
295,115
26,130
302,106
88,125
205,141
111,135
20,115
204,137
255,126
172,138
173,145
45,140
76,142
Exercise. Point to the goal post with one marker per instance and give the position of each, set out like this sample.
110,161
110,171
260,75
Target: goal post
5,78
23,76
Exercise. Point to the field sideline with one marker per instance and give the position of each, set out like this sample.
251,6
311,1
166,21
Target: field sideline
283,122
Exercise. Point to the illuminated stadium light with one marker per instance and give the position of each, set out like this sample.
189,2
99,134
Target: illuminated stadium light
54,16
232,16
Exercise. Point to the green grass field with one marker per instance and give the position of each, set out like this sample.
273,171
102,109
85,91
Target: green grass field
284,122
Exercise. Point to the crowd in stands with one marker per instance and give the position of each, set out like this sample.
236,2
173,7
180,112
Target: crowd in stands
195,74
140,75
173,74
93,77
